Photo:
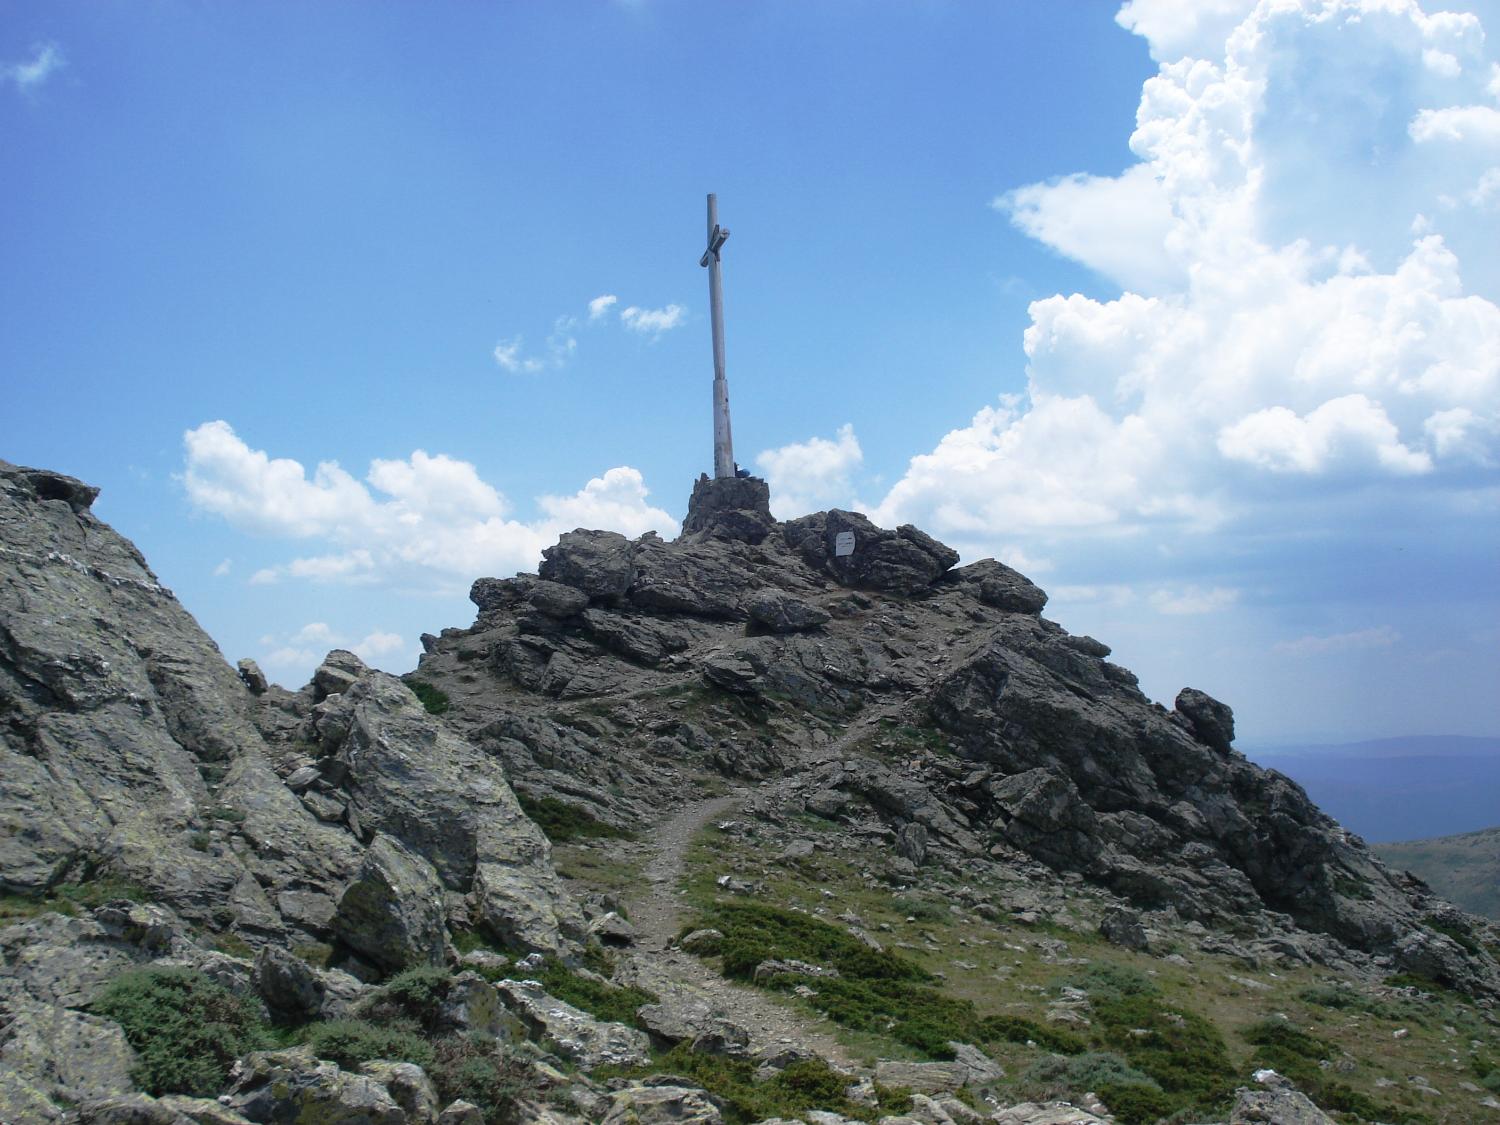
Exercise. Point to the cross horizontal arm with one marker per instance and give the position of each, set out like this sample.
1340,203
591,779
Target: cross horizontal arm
715,244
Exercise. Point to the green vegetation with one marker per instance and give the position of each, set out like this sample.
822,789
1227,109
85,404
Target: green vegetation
187,1031
411,999
1299,1055
478,1070
1457,932
1018,1029
563,822
69,898
611,1002
353,1042
804,1085
435,700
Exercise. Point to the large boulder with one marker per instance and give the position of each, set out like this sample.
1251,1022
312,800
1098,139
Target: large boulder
294,1085
856,553
392,913
599,563
662,1105
575,1035
1003,588
1211,722
128,738
729,508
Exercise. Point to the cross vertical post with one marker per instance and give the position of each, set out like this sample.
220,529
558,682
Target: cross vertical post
723,441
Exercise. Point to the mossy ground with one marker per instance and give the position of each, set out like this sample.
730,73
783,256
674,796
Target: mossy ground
1204,1022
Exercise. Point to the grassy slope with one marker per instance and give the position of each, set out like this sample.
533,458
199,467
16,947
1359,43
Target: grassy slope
1464,869
1007,968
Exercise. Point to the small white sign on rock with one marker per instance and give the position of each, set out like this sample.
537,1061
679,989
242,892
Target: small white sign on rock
843,544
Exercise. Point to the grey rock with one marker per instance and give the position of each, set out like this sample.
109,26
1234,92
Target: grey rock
781,613
288,986
22,1099
611,929
1122,927
704,579
978,1068
118,708
408,1086
392,912
573,1034
293,1085
705,942
1279,1105
461,1112
1433,955
1211,722
923,1078
339,672
1004,588
254,679
556,600
904,561
599,563
776,967
67,1055
729,508
128,1109
661,1105
1046,1113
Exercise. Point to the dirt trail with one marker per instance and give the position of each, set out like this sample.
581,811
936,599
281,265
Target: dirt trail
655,913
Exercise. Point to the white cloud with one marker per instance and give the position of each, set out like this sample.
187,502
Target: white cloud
601,305
652,322
428,521
1282,326
46,60
508,355
1380,637
1193,600
1119,223
223,568
290,659
377,644
812,475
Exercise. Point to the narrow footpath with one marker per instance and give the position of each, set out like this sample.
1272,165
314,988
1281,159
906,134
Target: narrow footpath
680,978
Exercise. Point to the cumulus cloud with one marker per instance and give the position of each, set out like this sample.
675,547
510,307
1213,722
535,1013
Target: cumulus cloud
601,305
46,60
652,322
428,521
1275,332
811,475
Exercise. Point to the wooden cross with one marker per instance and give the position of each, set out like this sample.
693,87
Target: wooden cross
723,441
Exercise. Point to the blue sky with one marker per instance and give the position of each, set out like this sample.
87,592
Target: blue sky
1187,308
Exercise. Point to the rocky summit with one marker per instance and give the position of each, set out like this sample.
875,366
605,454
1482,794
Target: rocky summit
778,821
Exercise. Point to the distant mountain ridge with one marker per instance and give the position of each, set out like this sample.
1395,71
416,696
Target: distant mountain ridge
1464,869
1392,789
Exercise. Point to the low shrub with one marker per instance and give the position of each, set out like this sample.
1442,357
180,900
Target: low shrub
804,1085
615,1003
562,822
1182,1052
433,699
187,1031
414,996
1055,1074
1017,1029
352,1042
479,1070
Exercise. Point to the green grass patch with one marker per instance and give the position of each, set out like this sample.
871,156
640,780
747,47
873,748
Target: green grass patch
804,1085
187,1031
563,822
433,699
70,898
1298,1054
611,1002
351,1042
